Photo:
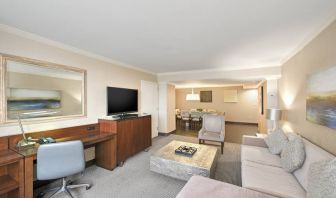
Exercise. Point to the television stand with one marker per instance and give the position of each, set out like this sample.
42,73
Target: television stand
134,134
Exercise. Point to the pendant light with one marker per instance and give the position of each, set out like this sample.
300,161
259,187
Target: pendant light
193,96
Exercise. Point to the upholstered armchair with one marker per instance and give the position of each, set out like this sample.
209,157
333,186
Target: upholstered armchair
213,129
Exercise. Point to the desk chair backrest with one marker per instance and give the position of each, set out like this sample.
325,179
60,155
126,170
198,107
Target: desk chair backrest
59,160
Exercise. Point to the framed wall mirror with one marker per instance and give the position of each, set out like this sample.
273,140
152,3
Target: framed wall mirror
34,90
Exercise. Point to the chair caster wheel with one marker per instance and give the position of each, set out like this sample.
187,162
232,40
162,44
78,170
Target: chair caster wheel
40,195
88,187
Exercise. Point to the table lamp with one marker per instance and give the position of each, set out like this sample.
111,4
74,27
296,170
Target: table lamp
29,142
25,142
274,115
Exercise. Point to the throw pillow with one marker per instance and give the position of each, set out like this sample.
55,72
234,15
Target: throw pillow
276,141
322,179
293,155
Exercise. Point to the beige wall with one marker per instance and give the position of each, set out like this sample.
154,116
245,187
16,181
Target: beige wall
171,123
317,55
99,75
245,110
167,122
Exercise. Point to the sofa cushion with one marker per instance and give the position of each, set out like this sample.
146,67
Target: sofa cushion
276,141
293,155
270,180
322,180
313,154
200,187
260,155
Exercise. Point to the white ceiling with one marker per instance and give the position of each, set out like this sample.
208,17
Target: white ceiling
212,83
176,35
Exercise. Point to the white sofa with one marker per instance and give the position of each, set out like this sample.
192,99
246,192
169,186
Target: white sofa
262,175
261,170
203,187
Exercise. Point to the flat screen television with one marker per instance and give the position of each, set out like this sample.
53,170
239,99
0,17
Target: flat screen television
121,100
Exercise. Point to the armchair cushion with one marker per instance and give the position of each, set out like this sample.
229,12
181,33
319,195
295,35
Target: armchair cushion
212,136
213,123
213,128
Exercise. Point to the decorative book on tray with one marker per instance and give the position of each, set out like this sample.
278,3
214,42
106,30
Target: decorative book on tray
186,150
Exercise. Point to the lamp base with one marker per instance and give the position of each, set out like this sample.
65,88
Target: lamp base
23,144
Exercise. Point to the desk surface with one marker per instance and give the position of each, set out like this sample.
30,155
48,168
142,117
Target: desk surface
86,139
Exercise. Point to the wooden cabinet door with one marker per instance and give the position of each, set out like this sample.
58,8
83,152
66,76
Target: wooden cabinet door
147,131
125,140
143,133
138,135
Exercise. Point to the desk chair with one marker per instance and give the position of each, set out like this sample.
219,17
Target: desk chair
59,160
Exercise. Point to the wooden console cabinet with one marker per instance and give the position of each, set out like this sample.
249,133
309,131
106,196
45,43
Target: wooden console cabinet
134,134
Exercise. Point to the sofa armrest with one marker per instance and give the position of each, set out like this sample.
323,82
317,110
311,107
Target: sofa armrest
254,141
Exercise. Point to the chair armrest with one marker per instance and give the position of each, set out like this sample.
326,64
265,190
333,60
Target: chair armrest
254,141
201,131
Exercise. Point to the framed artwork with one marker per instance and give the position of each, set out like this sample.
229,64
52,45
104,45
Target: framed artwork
230,95
32,100
205,96
321,98
36,90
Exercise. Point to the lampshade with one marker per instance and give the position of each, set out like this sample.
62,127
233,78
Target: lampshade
273,114
192,96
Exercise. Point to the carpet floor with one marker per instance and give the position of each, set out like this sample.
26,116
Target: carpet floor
135,179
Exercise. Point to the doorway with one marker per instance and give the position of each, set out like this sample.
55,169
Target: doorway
150,103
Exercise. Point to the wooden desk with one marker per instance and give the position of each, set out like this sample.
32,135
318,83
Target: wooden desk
105,150
11,174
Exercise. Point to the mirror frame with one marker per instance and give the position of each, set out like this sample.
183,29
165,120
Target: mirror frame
3,81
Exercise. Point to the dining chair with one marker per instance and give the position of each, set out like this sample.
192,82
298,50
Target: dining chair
185,117
195,119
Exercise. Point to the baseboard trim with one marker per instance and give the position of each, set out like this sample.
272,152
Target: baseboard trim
166,134
245,123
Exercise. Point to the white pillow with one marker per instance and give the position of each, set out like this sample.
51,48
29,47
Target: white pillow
276,141
322,180
293,155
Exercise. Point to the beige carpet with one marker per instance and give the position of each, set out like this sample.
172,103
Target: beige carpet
135,179
233,131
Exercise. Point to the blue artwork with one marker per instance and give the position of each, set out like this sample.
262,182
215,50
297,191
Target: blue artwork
17,105
321,98
25,101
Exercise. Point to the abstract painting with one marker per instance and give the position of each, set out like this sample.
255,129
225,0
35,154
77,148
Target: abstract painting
230,95
205,96
321,98
32,103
